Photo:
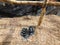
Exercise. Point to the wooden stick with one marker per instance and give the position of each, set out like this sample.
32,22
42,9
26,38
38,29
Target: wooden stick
42,13
31,2
41,16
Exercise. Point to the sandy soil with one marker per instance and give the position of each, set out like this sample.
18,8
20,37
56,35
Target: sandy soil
47,34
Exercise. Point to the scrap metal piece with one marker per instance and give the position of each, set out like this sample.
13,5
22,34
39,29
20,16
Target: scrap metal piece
25,33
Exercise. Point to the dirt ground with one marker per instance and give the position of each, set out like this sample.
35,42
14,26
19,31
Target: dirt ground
47,34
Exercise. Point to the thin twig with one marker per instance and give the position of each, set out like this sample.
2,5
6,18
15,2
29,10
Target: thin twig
42,13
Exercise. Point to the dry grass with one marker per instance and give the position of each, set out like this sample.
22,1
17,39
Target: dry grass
48,32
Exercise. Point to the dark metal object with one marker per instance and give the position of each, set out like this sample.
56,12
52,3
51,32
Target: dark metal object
31,30
24,33
27,32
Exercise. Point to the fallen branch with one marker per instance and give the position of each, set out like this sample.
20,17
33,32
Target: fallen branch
32,2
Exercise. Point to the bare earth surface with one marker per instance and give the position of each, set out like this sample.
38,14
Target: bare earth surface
47,34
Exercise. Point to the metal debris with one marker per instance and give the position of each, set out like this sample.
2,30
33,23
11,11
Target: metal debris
27,32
